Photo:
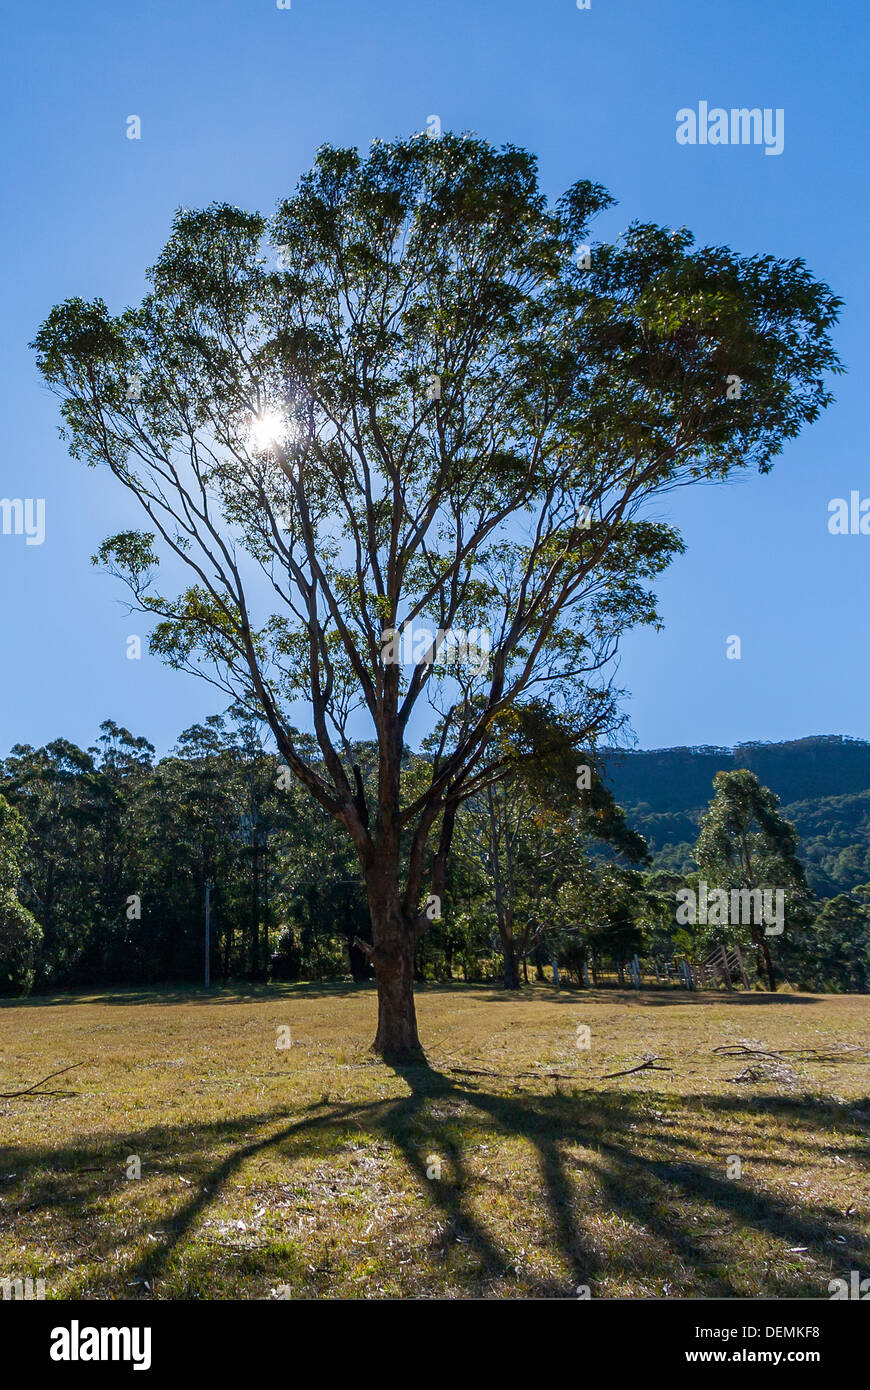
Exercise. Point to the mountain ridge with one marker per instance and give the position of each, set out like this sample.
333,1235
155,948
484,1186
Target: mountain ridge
823,782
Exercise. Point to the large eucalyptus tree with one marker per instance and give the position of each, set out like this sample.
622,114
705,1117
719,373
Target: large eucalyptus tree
418,396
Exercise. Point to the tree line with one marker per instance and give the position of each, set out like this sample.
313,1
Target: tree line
105,854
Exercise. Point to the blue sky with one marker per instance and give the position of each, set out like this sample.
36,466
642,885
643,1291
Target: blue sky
234,97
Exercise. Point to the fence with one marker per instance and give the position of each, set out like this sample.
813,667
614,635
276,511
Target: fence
722,967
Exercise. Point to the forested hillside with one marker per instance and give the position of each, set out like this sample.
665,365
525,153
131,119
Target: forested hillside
823,783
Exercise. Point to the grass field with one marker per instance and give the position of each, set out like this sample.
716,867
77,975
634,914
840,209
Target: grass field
311,1170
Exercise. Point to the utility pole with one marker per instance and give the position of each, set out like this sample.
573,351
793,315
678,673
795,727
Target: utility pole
208,934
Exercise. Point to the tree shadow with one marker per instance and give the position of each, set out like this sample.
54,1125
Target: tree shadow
700,998
666,1203
239,993
568,995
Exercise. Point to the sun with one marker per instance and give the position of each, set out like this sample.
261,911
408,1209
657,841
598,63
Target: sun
267,428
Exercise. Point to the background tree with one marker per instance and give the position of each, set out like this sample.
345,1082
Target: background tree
20,933
100,824
322,893
601,912
837,955
113,863
56,790
432,410
531,831
822,782
745,843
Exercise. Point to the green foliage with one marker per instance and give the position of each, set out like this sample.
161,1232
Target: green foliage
109,825
525,842
20,934
836,958
746,844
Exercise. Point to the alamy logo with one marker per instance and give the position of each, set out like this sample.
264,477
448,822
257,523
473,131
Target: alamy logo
24,1289
742,125
761,907
855,1288
23,517
451,646
75,1343
849,518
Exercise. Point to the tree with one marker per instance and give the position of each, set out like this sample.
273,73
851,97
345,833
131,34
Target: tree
839,958
20,933
123,767
434,412
746,845
56,790
602,910
531,831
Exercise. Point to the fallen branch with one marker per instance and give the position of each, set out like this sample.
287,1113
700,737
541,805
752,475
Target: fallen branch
648,1065
510,1075
821,1053
11,1095
741,1050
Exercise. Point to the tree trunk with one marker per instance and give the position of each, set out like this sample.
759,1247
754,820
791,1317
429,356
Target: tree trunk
255,903
263,962
393,958
396,1037
229,938
503,909
511,964
763,961
768,965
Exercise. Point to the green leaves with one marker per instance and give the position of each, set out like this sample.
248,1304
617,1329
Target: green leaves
78,339
20,933
129,553
746,844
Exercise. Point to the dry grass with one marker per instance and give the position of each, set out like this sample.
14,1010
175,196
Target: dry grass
305,1169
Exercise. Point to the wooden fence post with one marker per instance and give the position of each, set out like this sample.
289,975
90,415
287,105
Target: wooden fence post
739,956
727,969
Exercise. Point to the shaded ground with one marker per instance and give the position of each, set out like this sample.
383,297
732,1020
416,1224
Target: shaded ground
312,1169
